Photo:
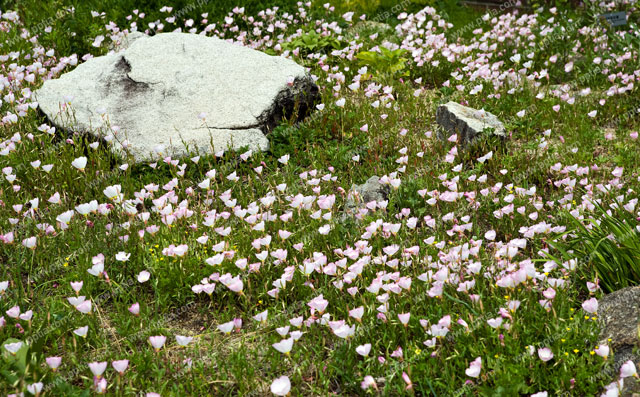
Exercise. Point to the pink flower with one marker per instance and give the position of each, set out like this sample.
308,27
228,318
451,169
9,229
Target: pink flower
617,172
407,380
14,312
474,369
545,354
284,346
98,368
84,307
495,322
135,309
236,285
568,67
590,305
226,328
364,350
157,341
357,313
318,303
35,388
77,286
368,382
628,369
101,386
53,362
404,318
602,351
143,277
281,386
549,293
120,366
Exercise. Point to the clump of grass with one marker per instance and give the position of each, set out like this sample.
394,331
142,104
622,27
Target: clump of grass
607,246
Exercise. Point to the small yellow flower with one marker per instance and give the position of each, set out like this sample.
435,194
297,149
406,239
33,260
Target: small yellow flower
546,273
566,354
568,329
586,317
496,356
570,318
562,340
572,309
65,264
576,350
592,352
418,351
594,318
506,297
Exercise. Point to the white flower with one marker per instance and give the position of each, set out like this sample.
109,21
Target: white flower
114,193
284,346
13,347
143,277
226,328
82,331
627,369
281,386
364,350
474,369
122,256
183,340
545,354
284,159
80,163
98,368
35,388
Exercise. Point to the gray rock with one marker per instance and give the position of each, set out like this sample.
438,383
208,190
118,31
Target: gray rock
155,88
371,190
619,313
466,122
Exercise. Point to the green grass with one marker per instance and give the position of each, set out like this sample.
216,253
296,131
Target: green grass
546,149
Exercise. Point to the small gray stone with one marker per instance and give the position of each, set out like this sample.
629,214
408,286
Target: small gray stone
155,88
466,122
371,190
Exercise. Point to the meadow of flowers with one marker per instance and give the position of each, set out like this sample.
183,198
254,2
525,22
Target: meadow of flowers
239,273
